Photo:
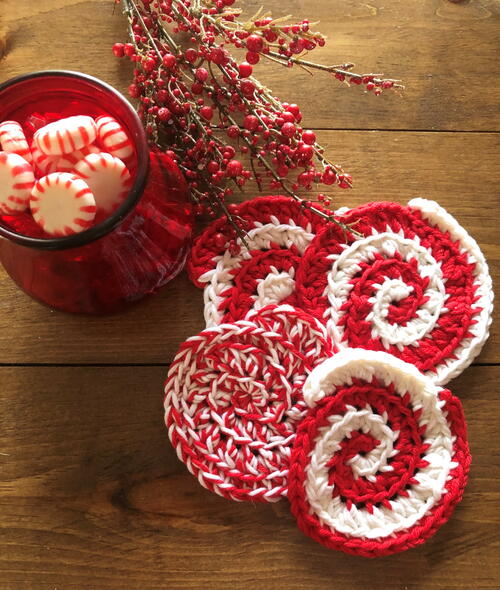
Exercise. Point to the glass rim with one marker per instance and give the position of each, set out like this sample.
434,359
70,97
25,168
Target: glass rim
111,222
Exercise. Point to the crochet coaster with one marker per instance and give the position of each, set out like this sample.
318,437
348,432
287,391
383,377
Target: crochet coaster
417,286
381,459
237,279
234,399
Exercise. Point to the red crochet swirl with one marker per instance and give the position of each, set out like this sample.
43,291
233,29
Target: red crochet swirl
452,326
387,485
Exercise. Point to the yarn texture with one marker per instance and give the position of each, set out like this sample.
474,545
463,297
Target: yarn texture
233,400
381,459
237,279
416,285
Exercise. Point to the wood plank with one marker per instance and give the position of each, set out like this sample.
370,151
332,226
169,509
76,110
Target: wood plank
93,496
445,52
386,165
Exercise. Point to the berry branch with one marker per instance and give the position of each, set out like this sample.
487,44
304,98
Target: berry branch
201,106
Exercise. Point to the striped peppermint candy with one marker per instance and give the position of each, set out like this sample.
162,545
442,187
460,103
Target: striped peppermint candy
113,137
62,204
16,182
13,140
66,135
107,177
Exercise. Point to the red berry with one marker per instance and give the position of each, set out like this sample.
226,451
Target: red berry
252,57
169,60
309,137
191,55
233,131
255,43
129,50
248,88
234,168
329,177
213,167
228,2
245,69
305,152
288,117
288,130
207,112
164,114
219,56
118,49
134,90
197,88
251,122
149,64
304,179
201,74
219,241
387,84
345,180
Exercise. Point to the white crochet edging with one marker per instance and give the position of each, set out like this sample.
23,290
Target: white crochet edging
422,496
271,289
470,348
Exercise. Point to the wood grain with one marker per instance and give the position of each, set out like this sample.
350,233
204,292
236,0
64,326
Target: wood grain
93,497
445,52
386,165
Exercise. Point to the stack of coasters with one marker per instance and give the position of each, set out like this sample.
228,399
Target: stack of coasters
335,398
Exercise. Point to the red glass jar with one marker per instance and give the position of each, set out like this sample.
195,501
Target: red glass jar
128,255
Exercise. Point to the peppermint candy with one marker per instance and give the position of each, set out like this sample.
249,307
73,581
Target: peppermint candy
233,400
13,140
381,459
16,182
62,204
108,179
113,138
66,135
416,285
237,278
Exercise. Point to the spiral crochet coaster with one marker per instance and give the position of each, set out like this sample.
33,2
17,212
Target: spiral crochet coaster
381,459
417,286
234,399
237,279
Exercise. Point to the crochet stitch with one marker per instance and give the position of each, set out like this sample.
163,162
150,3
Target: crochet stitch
237,279
233,399
417,286
381,459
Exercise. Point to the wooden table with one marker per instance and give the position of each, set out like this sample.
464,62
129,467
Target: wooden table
91,493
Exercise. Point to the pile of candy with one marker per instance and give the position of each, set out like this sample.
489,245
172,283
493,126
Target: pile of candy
320,374
69,173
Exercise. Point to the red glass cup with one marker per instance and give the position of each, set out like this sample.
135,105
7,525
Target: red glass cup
131,253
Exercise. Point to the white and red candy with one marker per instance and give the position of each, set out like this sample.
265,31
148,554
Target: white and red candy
16,182
13,140
62,204
66,135
113,137
107,177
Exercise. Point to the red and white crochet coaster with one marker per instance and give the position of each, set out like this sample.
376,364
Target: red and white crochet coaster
381,459
417,286
237,279
233,399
